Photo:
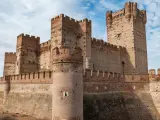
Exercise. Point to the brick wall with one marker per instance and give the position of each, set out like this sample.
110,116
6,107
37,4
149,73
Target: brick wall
9,63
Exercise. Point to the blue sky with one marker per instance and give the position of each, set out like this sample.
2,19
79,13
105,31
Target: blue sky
33,17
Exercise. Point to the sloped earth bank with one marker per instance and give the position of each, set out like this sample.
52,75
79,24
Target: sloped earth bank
7,116
120,106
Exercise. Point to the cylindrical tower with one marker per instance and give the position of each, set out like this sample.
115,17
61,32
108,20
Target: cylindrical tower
128,10
67,92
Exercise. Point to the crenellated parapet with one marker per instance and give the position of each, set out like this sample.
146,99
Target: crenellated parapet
45,46
29,78
105,76
101,44
29,37
10,57
154,75
85,21
130,10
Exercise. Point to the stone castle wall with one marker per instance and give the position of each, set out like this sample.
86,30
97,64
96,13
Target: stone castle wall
106,56
45,56
9,63
129,97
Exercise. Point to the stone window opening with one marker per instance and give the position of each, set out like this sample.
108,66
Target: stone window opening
119,34
65,94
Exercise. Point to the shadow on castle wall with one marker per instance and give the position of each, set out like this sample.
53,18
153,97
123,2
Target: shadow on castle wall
114,96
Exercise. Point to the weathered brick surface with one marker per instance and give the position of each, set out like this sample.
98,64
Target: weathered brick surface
32,99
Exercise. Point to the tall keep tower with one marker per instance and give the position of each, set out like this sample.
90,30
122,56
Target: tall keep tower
67,93
127,28
66,31
27,51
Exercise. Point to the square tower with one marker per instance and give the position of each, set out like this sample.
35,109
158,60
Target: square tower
68,32
126,28
27,54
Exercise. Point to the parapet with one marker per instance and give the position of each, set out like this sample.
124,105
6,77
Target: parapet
26,36
10,57
85,20
153,76
130,9
69,19
62,16
103,44
112,15
66,54
152,72
97,75
43,77
118,13
44,44
57,17
10,53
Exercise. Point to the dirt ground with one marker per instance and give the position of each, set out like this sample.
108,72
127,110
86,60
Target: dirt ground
7,116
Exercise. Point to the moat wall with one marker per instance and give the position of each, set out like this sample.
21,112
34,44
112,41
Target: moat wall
30,99
36,100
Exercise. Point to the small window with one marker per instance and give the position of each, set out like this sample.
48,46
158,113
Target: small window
65,94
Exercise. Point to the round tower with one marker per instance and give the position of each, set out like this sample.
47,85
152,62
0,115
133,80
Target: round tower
67,92
128,10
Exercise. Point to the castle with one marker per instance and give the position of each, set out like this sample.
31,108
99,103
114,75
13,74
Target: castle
73,65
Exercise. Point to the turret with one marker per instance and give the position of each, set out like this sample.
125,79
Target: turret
158,71
27,50
128,10
109,18
143,12
67,92
152,72
134,9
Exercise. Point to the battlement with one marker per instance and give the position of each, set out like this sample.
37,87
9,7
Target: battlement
130,9
85,20
118,13
102,43
29,78
96,75
44,44
26,36
153,76
67,18
10,57
65,54
10,53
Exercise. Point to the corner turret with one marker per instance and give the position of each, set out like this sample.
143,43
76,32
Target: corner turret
128,10
67,66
